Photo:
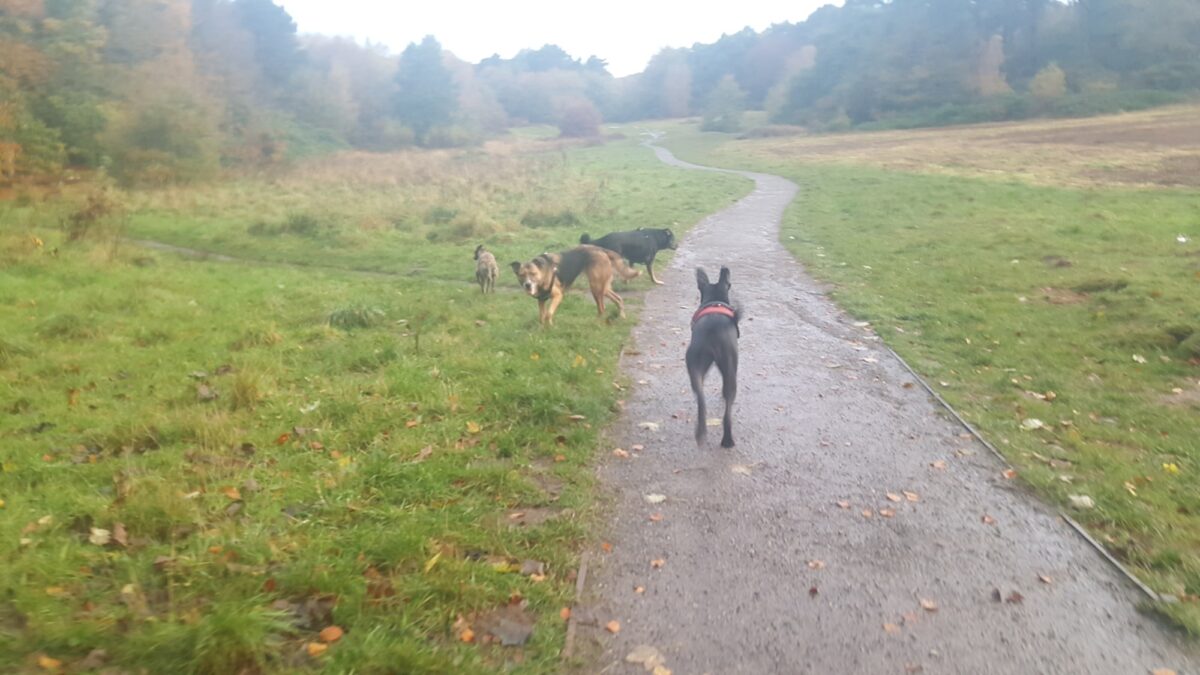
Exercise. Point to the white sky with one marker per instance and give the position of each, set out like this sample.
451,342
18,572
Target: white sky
626,33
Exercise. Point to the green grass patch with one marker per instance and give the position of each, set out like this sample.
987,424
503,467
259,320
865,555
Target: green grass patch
1076,307
204,464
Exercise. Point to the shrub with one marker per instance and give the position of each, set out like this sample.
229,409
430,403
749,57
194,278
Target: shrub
579,119
356,316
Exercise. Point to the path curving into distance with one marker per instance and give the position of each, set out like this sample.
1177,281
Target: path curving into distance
823,416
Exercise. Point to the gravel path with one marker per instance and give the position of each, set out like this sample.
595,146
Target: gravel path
762,571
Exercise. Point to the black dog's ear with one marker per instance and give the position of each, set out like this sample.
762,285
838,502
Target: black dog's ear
701,278
516,268
724,278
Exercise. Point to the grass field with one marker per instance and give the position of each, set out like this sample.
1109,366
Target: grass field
1032,273
205,465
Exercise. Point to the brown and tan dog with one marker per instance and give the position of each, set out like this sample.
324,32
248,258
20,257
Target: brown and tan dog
549,275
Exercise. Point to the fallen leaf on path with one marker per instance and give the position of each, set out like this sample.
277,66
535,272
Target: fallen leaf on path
891,629
912,496
939,465
1162,671
713,421
639,589
660,670
740,468
1045,579
893,497
621,453
1009,474
657,563
816,564
910,618
988,520
637,447
656,517
1015,598
843,504
648,426
928,605
887,513
646,656
613,627
655,498
812,592
867,513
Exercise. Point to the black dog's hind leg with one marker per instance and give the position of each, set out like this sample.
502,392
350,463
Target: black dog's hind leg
697,366
728,368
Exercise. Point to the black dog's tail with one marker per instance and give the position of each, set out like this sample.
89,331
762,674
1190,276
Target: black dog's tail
584,239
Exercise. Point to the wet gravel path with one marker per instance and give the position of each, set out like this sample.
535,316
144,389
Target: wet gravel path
762,571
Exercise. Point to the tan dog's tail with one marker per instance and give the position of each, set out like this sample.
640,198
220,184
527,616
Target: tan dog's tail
624,271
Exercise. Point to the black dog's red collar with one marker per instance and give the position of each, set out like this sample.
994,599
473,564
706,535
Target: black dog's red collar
714,308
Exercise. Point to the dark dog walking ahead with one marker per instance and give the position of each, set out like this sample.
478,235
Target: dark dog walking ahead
714,340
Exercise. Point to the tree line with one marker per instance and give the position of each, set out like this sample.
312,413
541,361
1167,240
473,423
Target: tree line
158,91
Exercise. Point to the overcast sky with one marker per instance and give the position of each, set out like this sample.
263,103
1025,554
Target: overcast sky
626,33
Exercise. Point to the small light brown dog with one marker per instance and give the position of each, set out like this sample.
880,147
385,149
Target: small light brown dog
486,270
548,276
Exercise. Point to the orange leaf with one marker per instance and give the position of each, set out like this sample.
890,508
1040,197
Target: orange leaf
1010,473
816,564
867,513
412,423
606,546
46,663
565,613
315,649
639,589
893,497
331,634
843,504
988,520
560,458
887,513
231,492
467,635
928,605
657,563
656,517
613,626
283,438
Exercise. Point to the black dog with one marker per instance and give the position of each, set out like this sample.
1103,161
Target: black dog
636,246
714,340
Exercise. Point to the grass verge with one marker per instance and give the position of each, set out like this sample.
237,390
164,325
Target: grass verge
203,466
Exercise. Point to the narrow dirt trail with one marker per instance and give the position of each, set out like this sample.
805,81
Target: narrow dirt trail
824,416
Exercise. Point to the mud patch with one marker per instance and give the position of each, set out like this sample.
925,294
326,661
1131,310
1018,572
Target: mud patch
530,517
1063,296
